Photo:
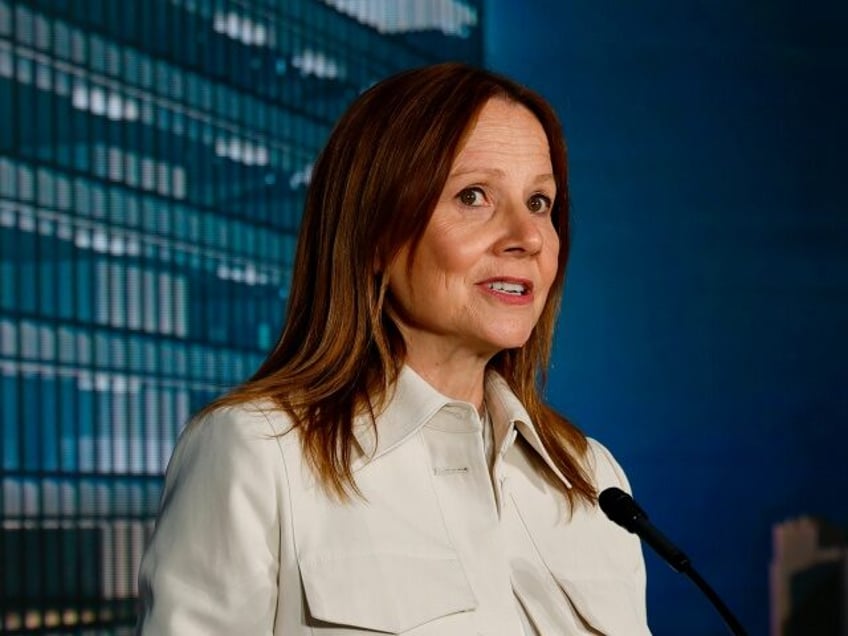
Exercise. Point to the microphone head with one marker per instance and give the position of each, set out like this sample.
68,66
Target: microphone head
620,508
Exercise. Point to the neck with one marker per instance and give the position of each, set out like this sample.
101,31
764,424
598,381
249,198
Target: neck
457,379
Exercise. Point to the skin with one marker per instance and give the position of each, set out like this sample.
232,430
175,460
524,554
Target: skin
492,223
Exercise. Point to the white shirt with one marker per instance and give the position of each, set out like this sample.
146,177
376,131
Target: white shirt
248,543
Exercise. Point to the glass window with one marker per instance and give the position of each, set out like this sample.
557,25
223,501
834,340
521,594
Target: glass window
97,53
103,450
49,442
8,187
68,421
113,58
8,338
116,164
117,299
152,433
42,33
132,172
67,349
10,424
62,188
131,65
44,80
7,114
27,282
65,277
82,197
5,18
145,71
61,40
81,151
134,296
165,304
24,30
31,399
117,207
47,279
98,201
180,303
149,294
101,290
163,178
79,52
102,357
85,450
84,297
46,188
7,69
117,429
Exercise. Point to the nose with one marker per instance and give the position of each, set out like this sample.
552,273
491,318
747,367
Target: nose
521,233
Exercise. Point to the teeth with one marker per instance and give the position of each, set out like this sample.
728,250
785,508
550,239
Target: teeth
509,288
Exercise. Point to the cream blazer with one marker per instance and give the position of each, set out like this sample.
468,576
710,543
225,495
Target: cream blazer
442,543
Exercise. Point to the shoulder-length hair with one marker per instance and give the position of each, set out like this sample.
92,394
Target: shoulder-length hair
373,190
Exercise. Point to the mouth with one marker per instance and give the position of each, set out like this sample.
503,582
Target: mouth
510,286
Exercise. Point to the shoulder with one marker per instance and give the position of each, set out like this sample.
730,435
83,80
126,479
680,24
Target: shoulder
231,436
240,422
604,467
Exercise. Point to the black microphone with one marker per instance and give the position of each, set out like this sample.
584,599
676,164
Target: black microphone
624,511
621,509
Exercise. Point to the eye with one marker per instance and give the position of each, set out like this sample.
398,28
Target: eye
472,197
539,203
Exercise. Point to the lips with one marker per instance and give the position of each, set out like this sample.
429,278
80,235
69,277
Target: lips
517,287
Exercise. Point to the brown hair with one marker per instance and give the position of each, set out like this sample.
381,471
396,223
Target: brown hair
339,352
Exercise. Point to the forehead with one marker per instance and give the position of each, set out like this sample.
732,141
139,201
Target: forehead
506,129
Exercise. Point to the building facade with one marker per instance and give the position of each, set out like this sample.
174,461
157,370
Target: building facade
154,156
808,578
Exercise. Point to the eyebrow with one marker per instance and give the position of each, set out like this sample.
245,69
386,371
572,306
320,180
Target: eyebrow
497,172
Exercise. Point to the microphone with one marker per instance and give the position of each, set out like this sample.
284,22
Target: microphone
625,512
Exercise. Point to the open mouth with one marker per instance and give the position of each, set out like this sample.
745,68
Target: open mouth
515,289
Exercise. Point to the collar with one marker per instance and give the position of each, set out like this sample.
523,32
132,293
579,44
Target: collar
509,413
414,402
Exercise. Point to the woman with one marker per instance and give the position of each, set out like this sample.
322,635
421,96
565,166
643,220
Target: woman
391,467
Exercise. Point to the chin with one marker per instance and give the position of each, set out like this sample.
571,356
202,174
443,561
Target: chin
515,341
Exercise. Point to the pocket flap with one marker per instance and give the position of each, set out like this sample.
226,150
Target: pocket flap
385,592
610,606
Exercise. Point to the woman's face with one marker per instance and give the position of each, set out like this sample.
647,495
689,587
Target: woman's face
485,264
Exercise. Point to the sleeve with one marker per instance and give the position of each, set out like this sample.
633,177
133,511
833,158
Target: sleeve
608,472
211,567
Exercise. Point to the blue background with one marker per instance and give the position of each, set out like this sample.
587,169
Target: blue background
703,337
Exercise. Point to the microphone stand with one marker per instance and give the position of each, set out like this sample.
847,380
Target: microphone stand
730,620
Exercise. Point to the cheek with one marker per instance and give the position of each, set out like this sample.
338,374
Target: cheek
431,273
447,258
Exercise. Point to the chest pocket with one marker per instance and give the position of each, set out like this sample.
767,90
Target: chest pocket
596,564
609,606
390,593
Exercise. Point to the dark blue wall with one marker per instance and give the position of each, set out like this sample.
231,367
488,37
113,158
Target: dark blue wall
703,337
